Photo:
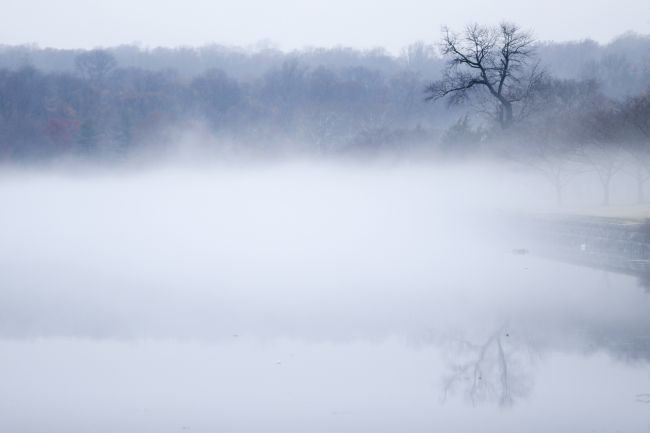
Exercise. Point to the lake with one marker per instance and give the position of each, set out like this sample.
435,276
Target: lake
304,298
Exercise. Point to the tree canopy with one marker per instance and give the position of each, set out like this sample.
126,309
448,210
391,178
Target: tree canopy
494,64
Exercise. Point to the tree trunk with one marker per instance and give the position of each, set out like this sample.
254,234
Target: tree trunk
640,183
505,115
558,195
605,201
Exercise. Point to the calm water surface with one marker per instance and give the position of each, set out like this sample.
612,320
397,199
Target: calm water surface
302,300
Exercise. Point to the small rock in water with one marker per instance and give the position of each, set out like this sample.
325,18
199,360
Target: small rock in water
520,251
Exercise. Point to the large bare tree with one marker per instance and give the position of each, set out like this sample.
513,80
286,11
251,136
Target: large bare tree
492,63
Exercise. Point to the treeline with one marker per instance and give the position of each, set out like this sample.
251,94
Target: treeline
110,103
104,109
621,66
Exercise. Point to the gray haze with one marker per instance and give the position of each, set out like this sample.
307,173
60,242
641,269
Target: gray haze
296,24
449,237
303,297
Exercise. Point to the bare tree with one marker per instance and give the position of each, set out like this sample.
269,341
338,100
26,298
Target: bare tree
636,113
494,63
601,145
553,141
554,158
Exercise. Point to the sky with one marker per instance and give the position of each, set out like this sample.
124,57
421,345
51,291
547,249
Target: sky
292,24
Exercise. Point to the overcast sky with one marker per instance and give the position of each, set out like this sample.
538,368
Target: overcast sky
298,23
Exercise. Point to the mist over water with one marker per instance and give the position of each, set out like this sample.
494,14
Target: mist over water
304,297
406,227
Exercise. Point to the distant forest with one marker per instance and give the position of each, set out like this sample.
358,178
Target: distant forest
109,103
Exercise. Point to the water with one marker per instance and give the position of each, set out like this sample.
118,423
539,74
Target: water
303,299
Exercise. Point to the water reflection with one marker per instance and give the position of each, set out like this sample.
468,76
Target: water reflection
501,368
495,369
271,309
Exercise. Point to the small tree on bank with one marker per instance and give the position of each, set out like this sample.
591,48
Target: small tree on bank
636,113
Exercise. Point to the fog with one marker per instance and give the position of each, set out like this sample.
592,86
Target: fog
294,25
305,295
382,217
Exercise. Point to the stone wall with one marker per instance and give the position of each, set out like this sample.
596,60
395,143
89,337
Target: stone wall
611,243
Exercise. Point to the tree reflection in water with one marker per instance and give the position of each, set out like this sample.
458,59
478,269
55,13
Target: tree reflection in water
497,369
